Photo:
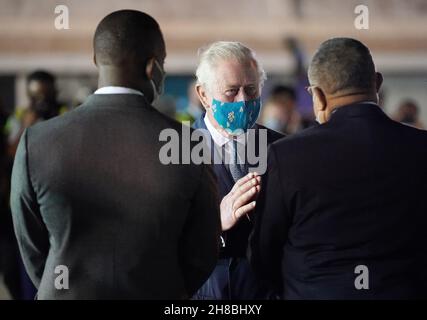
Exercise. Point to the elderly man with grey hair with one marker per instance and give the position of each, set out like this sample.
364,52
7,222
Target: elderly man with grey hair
229,83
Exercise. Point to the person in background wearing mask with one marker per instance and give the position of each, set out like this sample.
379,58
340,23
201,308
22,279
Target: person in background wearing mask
43,105
229,83
408,113
90,194
341,213
279,112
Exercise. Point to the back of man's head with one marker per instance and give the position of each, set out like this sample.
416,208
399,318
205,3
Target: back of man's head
342,65
127,36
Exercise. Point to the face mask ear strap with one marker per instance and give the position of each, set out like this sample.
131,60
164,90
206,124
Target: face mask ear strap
159,67
159,83
160,70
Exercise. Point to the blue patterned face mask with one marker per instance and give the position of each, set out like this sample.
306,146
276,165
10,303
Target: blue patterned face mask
236,117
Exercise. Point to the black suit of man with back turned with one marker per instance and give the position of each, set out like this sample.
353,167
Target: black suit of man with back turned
89,191
342,214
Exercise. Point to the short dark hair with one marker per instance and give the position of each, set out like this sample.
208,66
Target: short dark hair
41,75
283,90
342,64
127,33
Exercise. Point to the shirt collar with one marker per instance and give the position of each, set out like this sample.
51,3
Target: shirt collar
117,90
368,102
362,102
218,138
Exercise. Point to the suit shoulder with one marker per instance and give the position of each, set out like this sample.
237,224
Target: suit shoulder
166,121
410,129
83,115
306,134
53,124
272,135
413,136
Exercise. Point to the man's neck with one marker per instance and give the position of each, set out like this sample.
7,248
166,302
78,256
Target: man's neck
340,101
110,76
104,81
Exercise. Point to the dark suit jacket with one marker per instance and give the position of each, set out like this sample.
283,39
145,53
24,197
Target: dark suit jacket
236,238
346,193
90,193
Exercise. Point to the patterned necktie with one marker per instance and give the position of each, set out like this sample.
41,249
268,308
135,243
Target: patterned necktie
237,170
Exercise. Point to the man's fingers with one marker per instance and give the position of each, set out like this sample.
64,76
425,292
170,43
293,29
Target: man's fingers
246,186
246,197
244,210
243,180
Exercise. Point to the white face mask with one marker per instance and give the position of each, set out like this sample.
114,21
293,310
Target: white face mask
156,94
158,89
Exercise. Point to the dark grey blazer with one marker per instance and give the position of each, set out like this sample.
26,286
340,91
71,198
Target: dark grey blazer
90,193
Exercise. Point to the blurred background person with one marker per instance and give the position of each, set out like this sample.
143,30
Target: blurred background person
10,275
43,105
4,205
4,185
299,75
408,113
15,279
279,111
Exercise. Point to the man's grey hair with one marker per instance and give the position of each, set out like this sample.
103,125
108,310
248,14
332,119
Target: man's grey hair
223,50
342,64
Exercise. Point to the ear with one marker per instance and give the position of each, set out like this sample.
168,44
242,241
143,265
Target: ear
378,81
319,98
203,97
149,68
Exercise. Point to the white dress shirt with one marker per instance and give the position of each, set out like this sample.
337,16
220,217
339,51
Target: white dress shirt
222,141
117,90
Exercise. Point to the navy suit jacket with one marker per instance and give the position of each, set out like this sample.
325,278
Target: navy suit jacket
340,195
